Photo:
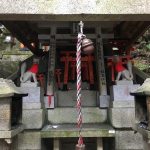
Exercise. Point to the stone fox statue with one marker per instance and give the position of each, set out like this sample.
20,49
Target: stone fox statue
126,74
27,75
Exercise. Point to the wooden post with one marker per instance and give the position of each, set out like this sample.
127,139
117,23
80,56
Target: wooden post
51,63
100,64
99,144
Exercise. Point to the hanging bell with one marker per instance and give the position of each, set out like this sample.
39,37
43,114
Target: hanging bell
87,46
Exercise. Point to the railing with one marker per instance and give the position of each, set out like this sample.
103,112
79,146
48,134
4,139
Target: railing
139,76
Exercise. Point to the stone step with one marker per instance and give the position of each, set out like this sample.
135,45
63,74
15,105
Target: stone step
71,130
69,115
68,98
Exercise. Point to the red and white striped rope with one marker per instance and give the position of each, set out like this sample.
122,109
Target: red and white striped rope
79,82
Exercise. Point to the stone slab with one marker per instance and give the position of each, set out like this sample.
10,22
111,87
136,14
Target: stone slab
69,115
68,98
29,140
11,133
32,105
71,130
33,119
124,104
5,124
122,117
122,92
124,82
35,94
127,140
69,7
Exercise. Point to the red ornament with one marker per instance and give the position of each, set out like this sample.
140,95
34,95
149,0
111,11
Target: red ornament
87,46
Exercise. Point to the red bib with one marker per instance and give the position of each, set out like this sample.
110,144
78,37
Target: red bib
34,68
119,67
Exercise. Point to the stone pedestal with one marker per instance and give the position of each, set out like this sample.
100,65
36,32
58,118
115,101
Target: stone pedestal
35,98
127,140
122,117
29,140
99,144
33,119
33,107
122,92
121,111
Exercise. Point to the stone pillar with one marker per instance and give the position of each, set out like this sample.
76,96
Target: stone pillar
29,140
99,144
56,144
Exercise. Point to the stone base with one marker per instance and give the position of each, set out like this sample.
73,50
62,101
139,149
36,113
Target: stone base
29,140
122,92
69,115
11,133
122,117
68,98
122,104
35,94
127,140
33,119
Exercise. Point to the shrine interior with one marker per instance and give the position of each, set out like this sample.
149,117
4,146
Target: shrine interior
55,47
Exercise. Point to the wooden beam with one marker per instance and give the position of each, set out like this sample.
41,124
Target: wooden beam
132,30
23,34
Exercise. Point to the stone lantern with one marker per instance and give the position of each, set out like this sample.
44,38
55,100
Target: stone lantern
142,112
10,111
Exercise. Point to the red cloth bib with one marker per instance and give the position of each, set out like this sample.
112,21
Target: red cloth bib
119,67
34,68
